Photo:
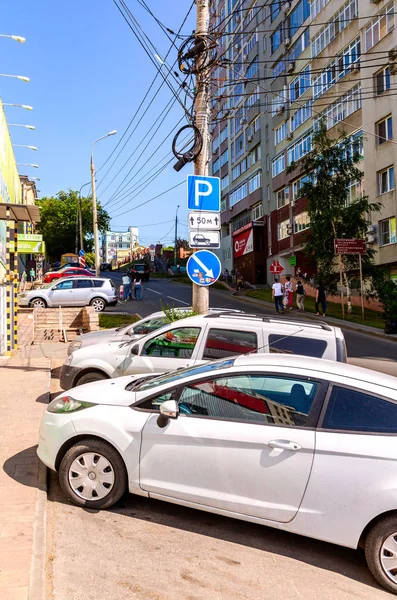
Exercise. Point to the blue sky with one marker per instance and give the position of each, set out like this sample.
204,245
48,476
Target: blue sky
88,75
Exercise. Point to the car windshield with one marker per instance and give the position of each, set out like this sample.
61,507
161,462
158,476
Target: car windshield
181,373
139,267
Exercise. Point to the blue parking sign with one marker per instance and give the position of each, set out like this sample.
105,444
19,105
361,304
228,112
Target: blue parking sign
203,193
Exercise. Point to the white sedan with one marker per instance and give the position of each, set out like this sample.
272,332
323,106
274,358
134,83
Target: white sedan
305,446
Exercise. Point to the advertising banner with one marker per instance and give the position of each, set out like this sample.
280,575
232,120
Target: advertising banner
243,243
10,186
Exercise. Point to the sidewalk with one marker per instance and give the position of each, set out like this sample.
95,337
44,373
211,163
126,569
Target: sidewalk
25,386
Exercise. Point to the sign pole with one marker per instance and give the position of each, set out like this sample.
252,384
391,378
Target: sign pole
200,294
341,285
361,286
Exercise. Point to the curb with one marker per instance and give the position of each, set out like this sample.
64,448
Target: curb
37,565
335,322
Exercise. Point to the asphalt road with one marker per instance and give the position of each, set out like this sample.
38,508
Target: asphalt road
159,292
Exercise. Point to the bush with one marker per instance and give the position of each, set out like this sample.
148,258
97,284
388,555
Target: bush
174,314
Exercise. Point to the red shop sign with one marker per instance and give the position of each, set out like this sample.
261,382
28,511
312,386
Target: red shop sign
243,243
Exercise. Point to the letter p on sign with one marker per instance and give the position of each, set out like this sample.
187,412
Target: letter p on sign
203,193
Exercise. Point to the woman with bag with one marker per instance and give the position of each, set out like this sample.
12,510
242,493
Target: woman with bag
300,296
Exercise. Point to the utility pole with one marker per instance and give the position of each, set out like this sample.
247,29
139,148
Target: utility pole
95,215
200,294
176,235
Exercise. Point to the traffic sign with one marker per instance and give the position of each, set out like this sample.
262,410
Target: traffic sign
204,239
350,246
82,258
203,267
276,268
204,220
203,193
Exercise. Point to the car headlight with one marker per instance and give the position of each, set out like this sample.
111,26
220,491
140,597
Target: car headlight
67,404
22,295
75,345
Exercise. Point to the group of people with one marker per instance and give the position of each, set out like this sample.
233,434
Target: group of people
128,286
283,296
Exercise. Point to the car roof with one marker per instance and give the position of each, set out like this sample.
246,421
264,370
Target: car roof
317,364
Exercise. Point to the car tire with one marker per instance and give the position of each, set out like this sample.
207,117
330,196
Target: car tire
98,304
38,303
90,378
380,537
103,460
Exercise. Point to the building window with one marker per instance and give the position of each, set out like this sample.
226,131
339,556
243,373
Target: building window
215,166
276,39
282,197
254,156
299,149
250,45
256,124
301,222
224,157
274,9
384,130
239,146
239,194
297,16
386,180
227,254
382,81
338,22
300,84
223,205
316,6
280,133
354,192
253,69
342,108
388,231
282,230
224,182
223,135
254,183
300,46
344,63
278,165
257,211
301,116
380,27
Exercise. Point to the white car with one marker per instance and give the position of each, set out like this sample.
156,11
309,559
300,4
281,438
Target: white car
308,446
194,340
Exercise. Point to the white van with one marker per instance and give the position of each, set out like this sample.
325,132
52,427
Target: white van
196,340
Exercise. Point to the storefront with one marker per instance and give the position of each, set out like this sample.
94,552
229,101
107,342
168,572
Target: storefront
249,252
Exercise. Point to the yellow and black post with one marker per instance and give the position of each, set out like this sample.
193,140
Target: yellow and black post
16,284
8,282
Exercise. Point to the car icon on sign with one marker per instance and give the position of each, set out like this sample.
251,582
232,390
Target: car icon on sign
199,238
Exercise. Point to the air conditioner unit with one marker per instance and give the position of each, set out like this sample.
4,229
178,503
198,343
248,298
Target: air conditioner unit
355,67
290,136
236,47
375,1
393,68
291,67
249,138
287,7
280,110
287,42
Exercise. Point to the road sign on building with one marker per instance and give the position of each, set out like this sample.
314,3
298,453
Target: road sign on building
203,267
204,239
204,220
203,193
276,268
350,246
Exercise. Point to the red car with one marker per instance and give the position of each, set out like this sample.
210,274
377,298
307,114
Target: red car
68,272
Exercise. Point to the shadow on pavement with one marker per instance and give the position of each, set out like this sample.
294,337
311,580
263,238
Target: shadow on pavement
22,467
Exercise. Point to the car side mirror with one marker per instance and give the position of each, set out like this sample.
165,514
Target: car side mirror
169,409
135,350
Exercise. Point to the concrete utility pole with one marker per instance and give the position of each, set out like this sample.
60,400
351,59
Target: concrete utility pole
200,294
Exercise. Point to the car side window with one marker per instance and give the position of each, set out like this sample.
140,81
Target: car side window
83,283
290,344
260,399
225,342
98,283
353,410
176,343
149,325
154,402
64,285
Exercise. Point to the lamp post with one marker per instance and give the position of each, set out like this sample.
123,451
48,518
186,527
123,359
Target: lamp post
28,165
16,38
20,77
32,127
18,105
24,146
94,206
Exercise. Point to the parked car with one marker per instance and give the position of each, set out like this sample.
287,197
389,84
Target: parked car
199,339
130,332
307,446
68,272
106,267
65,266
77,291
140,270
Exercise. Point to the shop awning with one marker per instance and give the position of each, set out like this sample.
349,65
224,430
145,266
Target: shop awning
20,212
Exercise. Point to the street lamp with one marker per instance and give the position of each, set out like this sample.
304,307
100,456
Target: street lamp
32,127
16,38
94,207
20,77
18,105
28,165
24,146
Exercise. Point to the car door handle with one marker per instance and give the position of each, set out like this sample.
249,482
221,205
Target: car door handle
284,445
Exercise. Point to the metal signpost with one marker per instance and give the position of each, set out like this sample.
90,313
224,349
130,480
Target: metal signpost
351,246
203,268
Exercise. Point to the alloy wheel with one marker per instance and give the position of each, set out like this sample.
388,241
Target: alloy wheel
91,476
39,304
98,305
388,557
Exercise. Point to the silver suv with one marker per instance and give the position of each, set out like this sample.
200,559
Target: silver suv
97,292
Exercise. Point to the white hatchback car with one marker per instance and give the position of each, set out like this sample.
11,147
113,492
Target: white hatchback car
308,446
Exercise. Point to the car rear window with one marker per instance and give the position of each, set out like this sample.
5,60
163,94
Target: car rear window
99,283
224,342
291,344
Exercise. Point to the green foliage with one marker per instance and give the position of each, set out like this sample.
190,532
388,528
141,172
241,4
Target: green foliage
58,222
90,259
332,166
174,314
387,294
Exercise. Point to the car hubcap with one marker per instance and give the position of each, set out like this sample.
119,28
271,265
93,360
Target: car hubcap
91,476
388,557
98,305
39,304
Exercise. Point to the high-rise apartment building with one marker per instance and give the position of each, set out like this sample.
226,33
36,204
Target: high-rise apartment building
283,67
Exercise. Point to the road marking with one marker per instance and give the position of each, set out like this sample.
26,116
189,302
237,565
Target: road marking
154,291
177,300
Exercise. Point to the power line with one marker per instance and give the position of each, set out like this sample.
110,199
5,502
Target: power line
150,200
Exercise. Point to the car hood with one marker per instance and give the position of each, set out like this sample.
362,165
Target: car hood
110,391
106,336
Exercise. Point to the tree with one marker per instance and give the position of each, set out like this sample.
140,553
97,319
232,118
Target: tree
58,222
182,243
330,168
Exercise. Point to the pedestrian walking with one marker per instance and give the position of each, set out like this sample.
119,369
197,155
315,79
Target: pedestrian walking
126,287
300,296
32,274
138,289
277,293
121,292
289,292
321,298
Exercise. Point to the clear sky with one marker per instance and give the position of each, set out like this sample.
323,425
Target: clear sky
88,76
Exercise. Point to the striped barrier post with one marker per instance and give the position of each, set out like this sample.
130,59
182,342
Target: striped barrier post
8,283
16,283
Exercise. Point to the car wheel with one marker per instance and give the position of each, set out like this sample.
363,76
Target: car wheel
381,553
92,474
98,304
38,303
90,378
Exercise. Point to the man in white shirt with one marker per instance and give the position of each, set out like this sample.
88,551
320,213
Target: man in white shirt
277,293
126,285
